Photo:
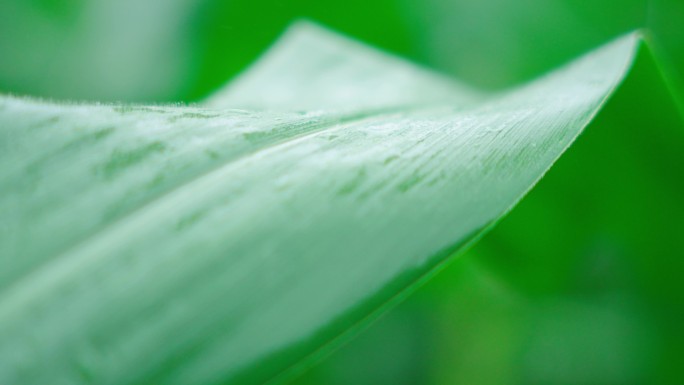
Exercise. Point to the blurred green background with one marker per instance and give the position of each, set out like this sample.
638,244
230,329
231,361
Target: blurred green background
583,283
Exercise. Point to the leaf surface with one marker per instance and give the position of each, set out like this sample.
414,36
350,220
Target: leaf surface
226,243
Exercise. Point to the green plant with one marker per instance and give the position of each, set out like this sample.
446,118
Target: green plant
201,244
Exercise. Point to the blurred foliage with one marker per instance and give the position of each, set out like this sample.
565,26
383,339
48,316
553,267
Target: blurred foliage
580,284
156,50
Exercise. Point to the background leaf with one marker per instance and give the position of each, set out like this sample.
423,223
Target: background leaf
186,49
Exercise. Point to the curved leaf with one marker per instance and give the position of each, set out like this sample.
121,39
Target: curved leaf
186,244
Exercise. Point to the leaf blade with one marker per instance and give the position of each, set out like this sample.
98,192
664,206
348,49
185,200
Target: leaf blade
380,184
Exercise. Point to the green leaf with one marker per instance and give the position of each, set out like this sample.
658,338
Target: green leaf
202,244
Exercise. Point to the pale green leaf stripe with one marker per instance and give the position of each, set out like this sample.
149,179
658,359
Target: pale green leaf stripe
195,245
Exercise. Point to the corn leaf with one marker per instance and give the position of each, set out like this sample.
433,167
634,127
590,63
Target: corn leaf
235,241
